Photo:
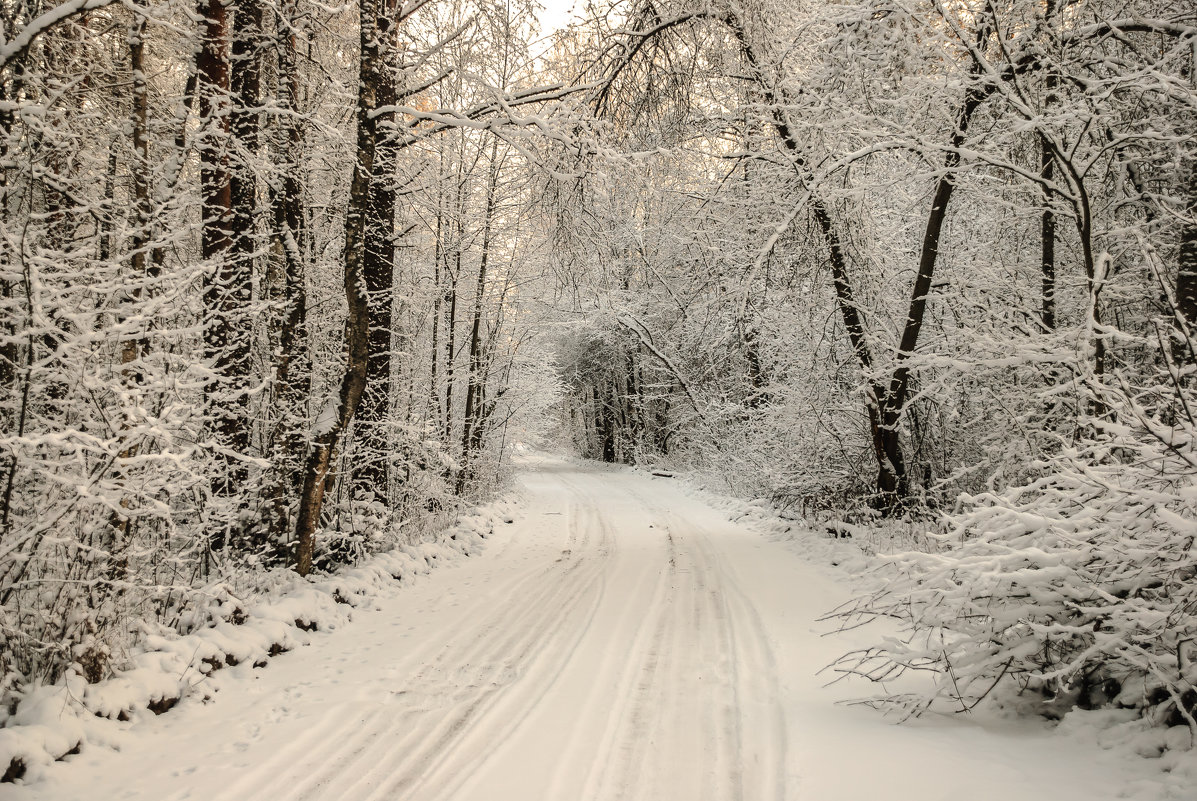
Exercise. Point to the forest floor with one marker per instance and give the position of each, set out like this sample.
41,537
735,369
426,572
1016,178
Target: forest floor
619,639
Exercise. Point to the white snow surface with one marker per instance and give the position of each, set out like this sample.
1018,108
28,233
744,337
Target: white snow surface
620,638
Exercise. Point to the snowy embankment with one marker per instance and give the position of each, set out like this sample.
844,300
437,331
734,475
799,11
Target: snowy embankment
166,666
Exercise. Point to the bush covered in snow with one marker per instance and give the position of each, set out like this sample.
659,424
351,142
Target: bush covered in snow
1078,587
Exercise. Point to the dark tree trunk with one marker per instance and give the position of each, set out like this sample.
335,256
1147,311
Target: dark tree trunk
434,394
604,423
134,347
1047,219
246,88
245,85
457,225
139,263
636,401
9,91
1083,213
336,417
190,90
14,377
891,467
104,225
379,266
886,402
292,376
1047,242
471,433
451,345
892,483
1185,337
226,290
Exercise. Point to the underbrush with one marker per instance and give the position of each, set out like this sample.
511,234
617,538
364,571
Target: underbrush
1076,590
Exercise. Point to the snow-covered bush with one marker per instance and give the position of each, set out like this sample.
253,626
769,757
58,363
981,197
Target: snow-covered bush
1079,586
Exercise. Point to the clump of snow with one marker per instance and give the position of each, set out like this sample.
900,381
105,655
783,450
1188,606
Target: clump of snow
45,726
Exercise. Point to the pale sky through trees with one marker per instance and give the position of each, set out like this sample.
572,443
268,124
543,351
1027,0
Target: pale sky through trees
555,14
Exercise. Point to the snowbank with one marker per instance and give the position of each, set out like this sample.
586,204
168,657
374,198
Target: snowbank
51,722
855,554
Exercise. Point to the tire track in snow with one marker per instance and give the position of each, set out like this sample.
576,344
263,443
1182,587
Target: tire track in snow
754,713
666,718
479,659
683,704
715,684
510,711
480,664
616,764
399,746
596,712
434,769
346,727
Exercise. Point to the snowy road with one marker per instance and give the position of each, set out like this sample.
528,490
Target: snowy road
619,640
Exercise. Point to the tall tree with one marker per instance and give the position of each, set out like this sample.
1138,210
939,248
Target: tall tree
227,285
379,271
339,411
292,369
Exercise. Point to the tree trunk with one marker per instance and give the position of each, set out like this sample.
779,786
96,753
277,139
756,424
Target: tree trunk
451,347
608,418
1095,282
892,483
14,379
458,226
292,377
891,467
133,347
13,410
337,415
246,89
379,269
227,286
1047,242
245,85
475,383
142,208
1047,219
1185,336
434,393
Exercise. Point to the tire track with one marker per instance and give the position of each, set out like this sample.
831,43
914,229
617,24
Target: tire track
743,718
686,696
446,684
580,567
621,759
347,728
500,715
756,692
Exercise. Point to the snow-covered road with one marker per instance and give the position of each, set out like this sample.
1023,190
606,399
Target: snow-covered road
618,640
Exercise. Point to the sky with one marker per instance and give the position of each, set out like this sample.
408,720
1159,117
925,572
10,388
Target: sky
555,13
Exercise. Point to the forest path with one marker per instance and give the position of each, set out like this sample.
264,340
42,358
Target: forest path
619,640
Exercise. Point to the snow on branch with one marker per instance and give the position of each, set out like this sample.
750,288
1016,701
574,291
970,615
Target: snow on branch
16,46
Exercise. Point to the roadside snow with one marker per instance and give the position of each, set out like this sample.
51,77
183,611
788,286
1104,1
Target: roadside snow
53,721
1151,762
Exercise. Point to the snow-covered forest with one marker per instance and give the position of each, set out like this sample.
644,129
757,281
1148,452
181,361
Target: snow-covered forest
283,282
